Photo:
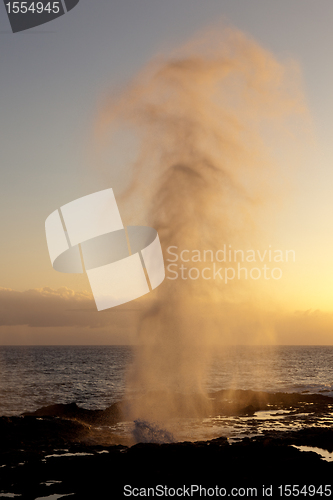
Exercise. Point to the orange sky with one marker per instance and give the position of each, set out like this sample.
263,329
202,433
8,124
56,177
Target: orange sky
52,88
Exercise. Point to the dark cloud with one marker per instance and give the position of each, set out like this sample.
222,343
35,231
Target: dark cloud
46,307
66,310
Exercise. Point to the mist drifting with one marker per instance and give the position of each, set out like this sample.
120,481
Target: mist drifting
204,120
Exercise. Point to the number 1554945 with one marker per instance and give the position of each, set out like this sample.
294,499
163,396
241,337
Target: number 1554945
33,7
296,490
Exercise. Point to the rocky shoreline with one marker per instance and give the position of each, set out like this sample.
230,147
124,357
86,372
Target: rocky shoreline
58,452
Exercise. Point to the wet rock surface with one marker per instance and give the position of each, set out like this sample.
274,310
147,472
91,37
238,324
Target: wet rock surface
57,451
96,472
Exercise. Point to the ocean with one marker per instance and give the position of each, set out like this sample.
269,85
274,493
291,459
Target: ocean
32,377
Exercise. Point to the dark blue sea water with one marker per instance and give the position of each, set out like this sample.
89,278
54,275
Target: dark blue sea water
94,378
35,376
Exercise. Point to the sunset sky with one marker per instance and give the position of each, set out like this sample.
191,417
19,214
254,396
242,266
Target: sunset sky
54,79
